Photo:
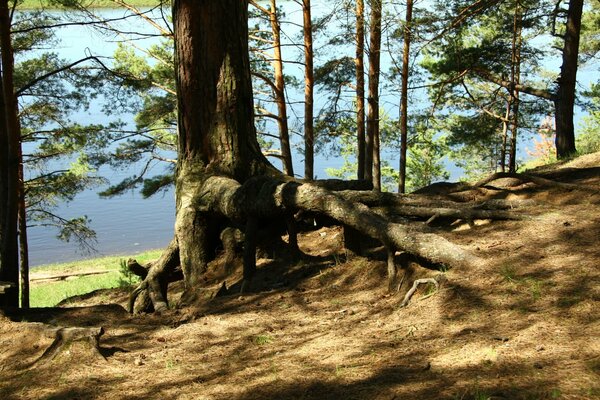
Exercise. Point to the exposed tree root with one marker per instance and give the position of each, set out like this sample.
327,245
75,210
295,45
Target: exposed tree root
151,294
435,281
87,341
263,200
538,181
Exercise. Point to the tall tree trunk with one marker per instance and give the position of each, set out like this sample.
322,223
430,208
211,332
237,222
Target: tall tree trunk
515,78
504,136
565,97
404,98
372,165
284,135
360,88
309,82
11,130
216,125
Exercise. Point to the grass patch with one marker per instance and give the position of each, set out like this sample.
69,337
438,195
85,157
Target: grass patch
46,4
50,293
533,285
262,340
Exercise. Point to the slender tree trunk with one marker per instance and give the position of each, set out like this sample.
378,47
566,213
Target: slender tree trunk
515,72
360,88
404,98
309,82
565,97
10,250
505,136
284,135
372,164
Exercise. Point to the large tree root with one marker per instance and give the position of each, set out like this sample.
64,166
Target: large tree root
277,199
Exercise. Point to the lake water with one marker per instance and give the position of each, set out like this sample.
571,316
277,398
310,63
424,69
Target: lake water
129,224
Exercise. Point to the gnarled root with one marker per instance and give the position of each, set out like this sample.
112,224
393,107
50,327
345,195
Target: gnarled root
435,281
151,293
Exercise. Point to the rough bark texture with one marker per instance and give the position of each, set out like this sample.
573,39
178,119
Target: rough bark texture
565,96
216,129
360,88
404,98
373,164
9,267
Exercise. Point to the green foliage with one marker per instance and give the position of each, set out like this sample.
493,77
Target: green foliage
424,160
56,150
262,340
127,277
588,140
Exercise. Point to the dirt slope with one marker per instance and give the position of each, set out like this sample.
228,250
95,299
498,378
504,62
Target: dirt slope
526,325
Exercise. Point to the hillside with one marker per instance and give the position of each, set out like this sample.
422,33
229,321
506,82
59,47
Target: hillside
525,325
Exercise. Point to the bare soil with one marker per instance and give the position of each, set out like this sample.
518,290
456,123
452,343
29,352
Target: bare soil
526,325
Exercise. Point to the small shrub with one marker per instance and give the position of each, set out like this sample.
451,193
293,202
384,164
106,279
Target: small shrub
126,278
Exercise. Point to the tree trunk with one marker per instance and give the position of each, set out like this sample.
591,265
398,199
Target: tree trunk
284,135
404,98
565,97
372,164
360,88
309,82
515,75
11,130
216,125
504,136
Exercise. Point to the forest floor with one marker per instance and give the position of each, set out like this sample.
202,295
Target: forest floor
525,325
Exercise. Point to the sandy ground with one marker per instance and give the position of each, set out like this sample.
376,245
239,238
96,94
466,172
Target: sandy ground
524,325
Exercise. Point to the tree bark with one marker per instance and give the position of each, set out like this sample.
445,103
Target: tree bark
11,130
284,135
360,89
565,96
515,75
404,98
309,82
372,164
216,126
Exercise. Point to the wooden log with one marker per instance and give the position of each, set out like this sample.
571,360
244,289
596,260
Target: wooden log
74,274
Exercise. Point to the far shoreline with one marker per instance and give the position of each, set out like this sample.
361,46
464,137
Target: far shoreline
32,5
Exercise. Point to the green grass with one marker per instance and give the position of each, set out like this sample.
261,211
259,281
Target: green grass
39,4
262,340
50,293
